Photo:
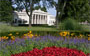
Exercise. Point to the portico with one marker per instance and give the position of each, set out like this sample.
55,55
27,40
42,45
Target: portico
39,19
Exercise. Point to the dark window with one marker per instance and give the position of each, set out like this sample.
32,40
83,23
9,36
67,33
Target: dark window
24,21
15,21
19,21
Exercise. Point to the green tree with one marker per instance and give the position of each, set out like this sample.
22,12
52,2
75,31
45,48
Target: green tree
42,8
6,11
78,9
60,6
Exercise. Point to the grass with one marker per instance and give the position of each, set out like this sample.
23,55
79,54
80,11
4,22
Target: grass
87,28
6,28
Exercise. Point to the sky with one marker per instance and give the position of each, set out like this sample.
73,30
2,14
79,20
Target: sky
52,11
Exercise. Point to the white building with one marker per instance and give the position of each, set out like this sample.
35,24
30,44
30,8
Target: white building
38,17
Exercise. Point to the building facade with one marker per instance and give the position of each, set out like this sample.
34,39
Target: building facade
38,17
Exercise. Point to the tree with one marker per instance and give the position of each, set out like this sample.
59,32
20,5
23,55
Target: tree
6,11
60,6
78,9
29,6
42,8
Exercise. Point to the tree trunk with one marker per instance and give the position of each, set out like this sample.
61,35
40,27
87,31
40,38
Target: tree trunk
30,16
57,19
30,21
57,11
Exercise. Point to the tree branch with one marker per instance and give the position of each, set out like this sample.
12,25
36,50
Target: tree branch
25,4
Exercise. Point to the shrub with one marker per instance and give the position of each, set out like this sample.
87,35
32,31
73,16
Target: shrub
71,24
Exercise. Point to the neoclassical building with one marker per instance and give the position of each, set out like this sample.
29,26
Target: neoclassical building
38,17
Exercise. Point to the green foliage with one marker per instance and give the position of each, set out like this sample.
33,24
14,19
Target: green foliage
71,24
41,8
6,11
78,9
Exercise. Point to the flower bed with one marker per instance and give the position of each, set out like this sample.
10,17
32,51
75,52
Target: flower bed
30,34
20,45
14,44
52,51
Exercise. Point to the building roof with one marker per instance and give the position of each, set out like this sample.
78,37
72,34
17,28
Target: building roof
35,11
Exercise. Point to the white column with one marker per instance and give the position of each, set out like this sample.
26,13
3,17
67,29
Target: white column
35,19
45,19
40,19
32,20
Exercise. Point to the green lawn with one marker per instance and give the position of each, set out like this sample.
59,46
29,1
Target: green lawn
87,28
6,28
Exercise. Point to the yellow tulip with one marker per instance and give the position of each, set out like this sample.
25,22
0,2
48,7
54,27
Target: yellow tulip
89,38
72,34
31,35
25,34
36,35
68,33
81,35
10,34
88,35
64,34
17,33
0,38
6,38
12,38
30,32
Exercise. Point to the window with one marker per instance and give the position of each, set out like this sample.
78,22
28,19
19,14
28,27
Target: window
15,21
19,21
24,21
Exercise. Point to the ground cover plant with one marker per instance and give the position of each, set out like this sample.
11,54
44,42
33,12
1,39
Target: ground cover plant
14,45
